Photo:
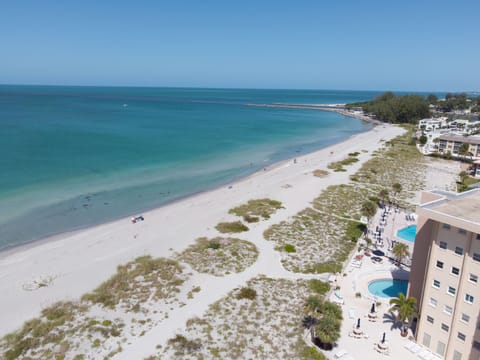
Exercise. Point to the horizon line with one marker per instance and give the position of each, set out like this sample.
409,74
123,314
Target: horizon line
238,88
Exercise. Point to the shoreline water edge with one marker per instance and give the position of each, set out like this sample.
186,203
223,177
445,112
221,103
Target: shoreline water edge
337,108
75,263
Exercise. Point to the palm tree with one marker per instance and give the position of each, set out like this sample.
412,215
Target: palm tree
330,309
383,195
327,330
397,189
368,209
404,308
309,323
400,250
313,305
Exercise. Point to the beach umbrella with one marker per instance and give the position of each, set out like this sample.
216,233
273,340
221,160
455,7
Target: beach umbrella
383,338
372,310
358,323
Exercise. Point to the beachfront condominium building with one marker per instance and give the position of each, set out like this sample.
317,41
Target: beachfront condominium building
445,274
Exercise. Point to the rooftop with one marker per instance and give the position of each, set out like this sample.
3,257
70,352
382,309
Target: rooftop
460,138
460,207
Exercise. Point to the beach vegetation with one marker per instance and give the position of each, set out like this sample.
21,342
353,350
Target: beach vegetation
318,287
219,256
339,165
320,173
272,318
369,209
184,346
405,308
396,109
257,208
231,227
400,251
138,281
290,248
247,293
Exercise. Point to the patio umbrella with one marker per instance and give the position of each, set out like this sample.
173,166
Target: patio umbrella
358,323
383,338
372,310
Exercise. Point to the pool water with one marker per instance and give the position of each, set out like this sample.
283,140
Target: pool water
408,233
387,288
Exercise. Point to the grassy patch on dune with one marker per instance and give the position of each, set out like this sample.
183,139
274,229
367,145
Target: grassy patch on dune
90,328
321,241
220,256
138,281
337,166
259,321
231,227
255,209
320,173
324,235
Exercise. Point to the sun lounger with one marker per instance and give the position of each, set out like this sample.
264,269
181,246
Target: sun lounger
340,353
351,313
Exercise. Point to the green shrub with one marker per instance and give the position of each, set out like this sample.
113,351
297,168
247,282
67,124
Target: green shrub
319,287
289,248
231,227
251,219
247,293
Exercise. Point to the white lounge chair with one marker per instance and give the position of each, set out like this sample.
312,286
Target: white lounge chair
340,353
351,313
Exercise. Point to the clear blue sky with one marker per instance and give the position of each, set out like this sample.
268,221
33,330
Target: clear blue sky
341,44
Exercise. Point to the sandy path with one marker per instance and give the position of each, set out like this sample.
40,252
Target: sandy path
76,263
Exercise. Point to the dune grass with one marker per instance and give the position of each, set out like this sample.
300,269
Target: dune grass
265,326
324,235
220,256
138,281
256,209
320,173
231,227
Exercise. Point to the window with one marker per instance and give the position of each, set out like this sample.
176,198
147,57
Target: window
469,298
436,284
440,263
461,336
465,318
473,278
452,290
476,257
430,319
446,226
443,245
448,310
440,348
445,327
458,250
433,302
462,231
455,270
478,236
426,339
457,355
476,345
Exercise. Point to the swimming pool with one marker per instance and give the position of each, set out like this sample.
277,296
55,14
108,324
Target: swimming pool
408,233
387,288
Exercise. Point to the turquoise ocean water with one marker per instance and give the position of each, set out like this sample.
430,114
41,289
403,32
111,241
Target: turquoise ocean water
77,156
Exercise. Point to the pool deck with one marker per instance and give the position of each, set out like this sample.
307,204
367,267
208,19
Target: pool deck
355,279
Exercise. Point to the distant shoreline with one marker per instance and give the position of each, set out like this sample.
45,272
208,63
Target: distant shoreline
338,108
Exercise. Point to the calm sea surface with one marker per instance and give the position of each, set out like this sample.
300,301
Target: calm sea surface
78,156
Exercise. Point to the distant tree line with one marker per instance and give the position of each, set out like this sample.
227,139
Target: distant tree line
396,109
453,102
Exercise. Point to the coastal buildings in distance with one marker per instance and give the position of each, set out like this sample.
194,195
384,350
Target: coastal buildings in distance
445,274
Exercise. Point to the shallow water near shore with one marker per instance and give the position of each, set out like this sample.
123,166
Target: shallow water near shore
78,156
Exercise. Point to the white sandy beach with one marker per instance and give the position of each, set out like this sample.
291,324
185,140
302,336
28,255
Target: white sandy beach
72,264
